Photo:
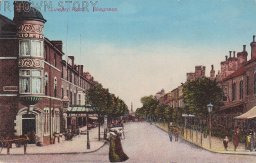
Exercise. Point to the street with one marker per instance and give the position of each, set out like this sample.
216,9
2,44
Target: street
143,143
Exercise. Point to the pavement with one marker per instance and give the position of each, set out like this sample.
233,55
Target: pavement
77,145
194,137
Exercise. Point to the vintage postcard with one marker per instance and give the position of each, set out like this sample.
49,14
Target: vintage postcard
140,81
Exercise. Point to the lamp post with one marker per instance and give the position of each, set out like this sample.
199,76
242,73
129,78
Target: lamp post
209,107
87,133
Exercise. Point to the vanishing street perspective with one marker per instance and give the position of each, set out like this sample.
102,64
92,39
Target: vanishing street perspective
113,81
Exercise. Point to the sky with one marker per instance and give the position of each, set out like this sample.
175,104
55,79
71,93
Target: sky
138,47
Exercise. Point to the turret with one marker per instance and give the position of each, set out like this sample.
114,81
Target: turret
30,23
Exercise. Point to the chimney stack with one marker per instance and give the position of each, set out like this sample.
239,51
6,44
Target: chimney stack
234,54
244,48
226,57
253,48
230,53
212,72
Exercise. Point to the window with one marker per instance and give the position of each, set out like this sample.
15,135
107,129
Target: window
71,98
46,83
31,48
247,85
45,53
233,91
55,87
62,92
30,81
79,99
55,60
46,121
241,91
24,48
36,48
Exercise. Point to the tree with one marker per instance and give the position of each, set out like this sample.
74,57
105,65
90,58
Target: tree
199,93
148,110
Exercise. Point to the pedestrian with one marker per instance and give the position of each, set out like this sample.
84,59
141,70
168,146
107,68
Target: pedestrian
236,138
225,142
176,134
252,140
116,153
170,133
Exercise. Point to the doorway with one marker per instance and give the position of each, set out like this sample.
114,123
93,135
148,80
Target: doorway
29,127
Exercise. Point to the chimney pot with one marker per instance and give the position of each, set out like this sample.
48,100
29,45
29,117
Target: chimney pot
230,53
212,67
226,57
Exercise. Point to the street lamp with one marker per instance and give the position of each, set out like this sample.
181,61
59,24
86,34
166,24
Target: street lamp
209,107
87,132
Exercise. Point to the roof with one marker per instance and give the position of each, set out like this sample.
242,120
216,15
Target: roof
248,115
231,105
31,13
7,26
237,73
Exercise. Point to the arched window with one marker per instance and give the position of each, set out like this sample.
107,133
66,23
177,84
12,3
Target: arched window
55,87
46,83
233,91
241,90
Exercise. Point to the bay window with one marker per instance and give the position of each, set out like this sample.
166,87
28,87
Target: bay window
32,48
31,81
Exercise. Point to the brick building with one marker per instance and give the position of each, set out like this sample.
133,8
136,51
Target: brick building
75,83
34,80
238,80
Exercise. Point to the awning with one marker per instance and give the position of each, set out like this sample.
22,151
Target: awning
248,115
80,109
93,118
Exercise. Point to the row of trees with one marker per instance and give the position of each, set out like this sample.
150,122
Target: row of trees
105,103
196,95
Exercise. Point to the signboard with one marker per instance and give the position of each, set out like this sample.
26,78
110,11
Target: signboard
10,88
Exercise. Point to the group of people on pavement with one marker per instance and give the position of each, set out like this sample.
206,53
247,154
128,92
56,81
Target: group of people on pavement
249,142
173,131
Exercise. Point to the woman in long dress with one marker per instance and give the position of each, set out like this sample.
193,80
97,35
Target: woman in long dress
116,153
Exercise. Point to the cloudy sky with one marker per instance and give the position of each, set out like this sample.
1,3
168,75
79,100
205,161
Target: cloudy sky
142,46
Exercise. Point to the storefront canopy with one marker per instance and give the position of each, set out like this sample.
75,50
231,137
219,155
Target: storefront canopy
80,109
248,115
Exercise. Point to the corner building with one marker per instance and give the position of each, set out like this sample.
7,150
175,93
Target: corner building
30,81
